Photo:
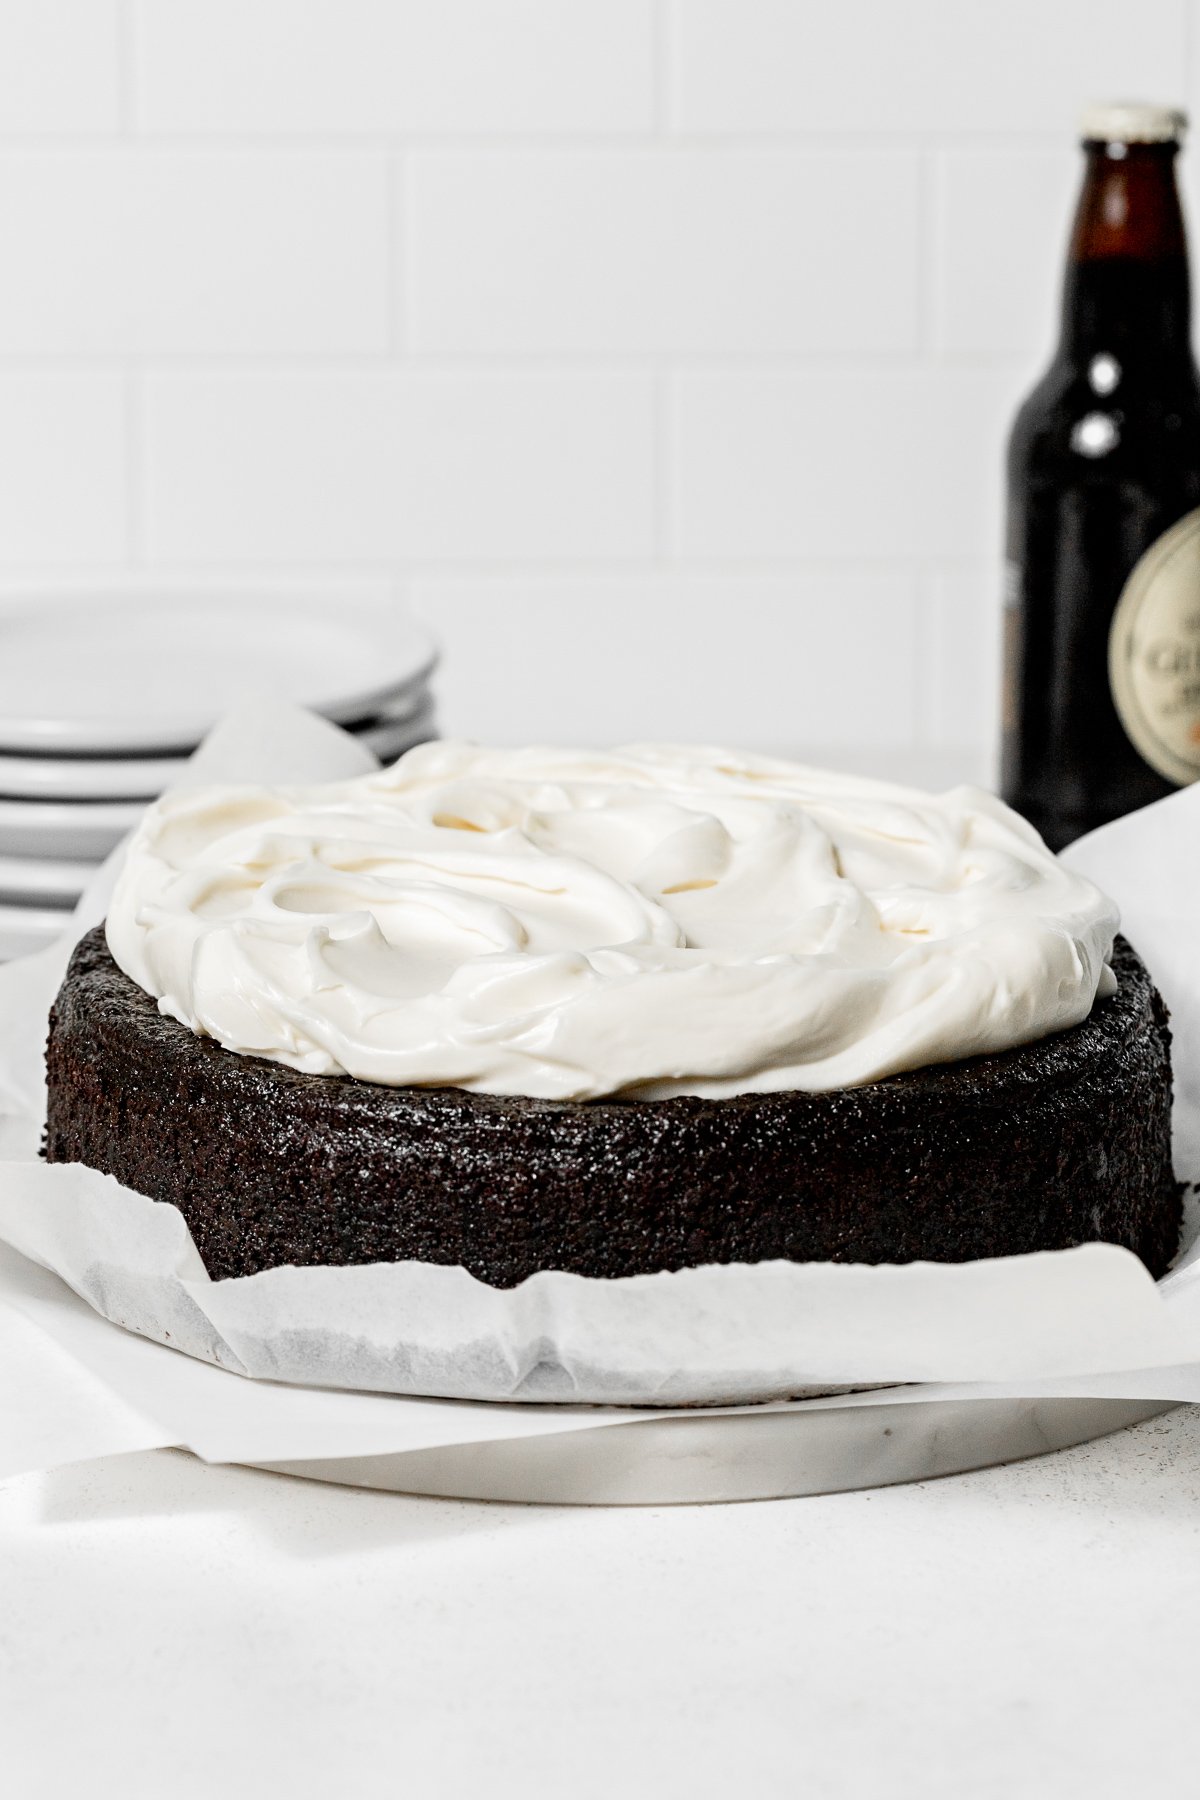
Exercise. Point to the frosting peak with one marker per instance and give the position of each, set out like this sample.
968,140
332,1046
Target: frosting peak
647,921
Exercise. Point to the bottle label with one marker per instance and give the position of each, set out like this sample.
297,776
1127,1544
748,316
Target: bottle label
1154,653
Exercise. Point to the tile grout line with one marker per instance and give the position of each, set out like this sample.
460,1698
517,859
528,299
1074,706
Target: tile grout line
663,379
529,569
515,363
398,241
135,509
929,252
353,142
126,47
924,727
661,26
664,466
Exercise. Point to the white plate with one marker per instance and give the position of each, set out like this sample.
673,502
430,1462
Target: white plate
86,830
24,929
50,882
30,776
80,830
152,672
394,708
393,739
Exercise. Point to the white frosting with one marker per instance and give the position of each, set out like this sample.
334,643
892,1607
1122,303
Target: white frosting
648,921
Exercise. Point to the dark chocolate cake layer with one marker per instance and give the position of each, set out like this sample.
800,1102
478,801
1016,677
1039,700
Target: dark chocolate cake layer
1054,1144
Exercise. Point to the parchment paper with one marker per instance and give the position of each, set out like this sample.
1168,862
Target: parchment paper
1084,1321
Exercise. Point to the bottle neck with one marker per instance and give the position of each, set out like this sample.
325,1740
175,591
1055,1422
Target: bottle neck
1127,290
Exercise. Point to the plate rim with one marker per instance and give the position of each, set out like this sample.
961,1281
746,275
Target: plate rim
91,737
154,773
67,876
68,815
49,919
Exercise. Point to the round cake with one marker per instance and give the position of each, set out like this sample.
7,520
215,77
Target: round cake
614,1015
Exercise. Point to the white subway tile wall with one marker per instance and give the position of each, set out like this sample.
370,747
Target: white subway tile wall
64,479
648,642
140,252
841,463
379,464
660,352
662,252
60,67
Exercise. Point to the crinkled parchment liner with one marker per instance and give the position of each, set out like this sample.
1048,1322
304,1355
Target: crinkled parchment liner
716,1335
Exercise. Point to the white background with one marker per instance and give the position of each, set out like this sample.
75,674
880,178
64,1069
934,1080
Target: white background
661,351
182,1632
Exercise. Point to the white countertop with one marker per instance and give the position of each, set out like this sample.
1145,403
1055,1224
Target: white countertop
171,1629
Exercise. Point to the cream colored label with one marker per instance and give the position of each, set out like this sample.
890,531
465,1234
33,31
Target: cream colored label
1154,653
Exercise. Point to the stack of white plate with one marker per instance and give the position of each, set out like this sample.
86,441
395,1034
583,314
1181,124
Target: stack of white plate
102,700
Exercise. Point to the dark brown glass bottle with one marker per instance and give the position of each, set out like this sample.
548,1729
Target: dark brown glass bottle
1103,461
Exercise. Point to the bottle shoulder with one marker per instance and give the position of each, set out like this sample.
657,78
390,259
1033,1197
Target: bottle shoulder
1103,418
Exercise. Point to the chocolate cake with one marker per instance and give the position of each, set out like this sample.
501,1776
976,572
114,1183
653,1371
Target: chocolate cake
613,1013
1042,1146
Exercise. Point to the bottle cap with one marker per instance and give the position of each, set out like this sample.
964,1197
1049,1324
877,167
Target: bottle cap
1132,122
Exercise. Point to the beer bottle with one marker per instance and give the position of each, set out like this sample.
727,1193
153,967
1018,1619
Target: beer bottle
1102,605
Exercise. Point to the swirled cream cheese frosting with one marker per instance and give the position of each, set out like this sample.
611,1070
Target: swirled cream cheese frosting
648,921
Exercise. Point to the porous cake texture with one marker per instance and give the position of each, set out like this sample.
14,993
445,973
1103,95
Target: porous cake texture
1052,1144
